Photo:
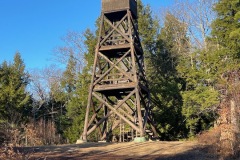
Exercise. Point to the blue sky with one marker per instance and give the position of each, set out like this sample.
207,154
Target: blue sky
35,27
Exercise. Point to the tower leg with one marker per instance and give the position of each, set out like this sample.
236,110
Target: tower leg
84,136
139,114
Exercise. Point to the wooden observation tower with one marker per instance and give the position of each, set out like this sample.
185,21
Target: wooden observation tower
119,98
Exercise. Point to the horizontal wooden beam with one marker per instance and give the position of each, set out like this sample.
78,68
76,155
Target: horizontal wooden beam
105,87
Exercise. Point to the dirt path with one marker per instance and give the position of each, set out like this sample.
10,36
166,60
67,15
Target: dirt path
128,151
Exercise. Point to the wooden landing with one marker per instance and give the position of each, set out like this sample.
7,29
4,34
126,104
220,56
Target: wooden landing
106,87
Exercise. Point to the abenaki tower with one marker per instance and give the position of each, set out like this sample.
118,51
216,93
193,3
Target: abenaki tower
119,99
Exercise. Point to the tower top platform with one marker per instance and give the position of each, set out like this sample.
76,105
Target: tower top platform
109,6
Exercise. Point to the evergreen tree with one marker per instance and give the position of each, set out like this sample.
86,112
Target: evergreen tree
226,65
161,50
207,68
69,77
226,28
166,83
4,71
78,101
148,29
14,99
200,99
226,40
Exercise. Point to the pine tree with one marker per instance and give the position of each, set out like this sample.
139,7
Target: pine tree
78,99
4,72
205,70
225,36
226,28
14,99
148,28
69,95
165,80
69,76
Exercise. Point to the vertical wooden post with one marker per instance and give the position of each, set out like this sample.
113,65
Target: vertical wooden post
139,112
120,130
84,138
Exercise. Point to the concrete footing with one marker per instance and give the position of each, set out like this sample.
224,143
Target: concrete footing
140,139
80,141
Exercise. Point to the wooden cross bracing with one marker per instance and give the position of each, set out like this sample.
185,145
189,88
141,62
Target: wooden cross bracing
118,92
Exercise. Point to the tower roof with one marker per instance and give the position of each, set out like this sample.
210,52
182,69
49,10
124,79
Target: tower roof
109,6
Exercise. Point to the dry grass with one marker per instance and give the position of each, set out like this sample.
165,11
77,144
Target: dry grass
9,153
211,139
222,141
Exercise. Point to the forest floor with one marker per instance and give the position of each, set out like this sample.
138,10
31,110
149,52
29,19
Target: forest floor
182,150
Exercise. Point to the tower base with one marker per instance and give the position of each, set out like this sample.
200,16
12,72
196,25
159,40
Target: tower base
80,141
140,139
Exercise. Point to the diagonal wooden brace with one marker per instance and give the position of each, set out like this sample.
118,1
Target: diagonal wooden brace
109,34
110,113
114,65
122,71
114,110
116,29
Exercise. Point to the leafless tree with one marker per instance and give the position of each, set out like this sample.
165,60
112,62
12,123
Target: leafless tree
73,45
43,83
198,16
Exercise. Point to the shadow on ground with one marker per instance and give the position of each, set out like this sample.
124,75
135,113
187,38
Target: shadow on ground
126,151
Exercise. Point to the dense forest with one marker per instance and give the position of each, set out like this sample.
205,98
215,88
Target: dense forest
192,55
